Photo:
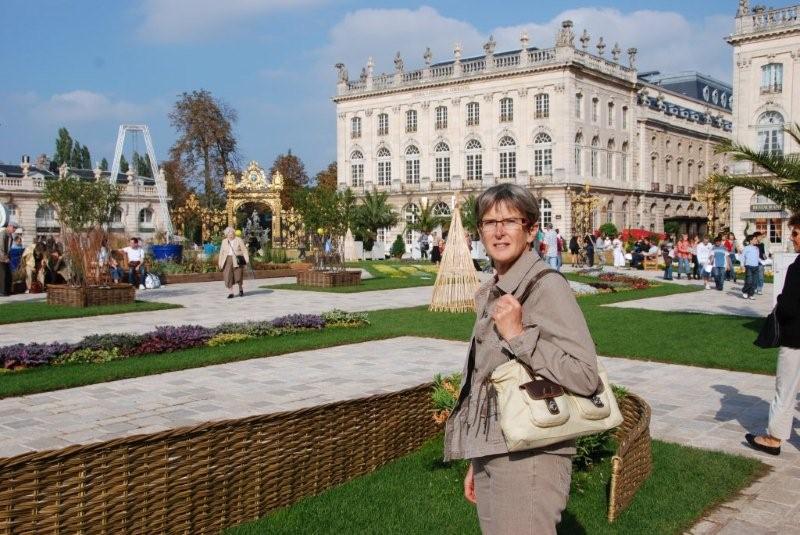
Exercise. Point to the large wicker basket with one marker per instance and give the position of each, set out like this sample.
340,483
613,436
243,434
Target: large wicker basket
327,279
633,461
77,296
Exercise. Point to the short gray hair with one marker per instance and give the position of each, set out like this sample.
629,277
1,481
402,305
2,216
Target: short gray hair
513,196
228,230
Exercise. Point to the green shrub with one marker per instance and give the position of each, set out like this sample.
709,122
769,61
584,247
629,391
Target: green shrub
444,396
609,229
254,329
398,247
89,355
227,338
340,318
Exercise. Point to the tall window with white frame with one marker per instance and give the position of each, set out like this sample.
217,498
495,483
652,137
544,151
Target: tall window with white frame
383,124
623,163
412,165
545,212
668,170
355,127
411,121
595,110
772,78
441,117
384,167
593,155
689,166
542,102
770,132
610,148
473,114
441,162
610,121
357,169
411,213
578,154
508,157
542,154
579,106
679,172
653,164
624,117
474,162
506,110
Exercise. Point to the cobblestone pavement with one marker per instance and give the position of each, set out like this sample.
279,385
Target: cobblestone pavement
705,408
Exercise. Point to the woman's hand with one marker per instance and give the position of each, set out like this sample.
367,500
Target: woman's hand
469,486
507,316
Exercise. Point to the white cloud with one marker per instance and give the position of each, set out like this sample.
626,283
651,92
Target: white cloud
82,106
174,21
667,41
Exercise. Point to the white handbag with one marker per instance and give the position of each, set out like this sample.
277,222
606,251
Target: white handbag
536,412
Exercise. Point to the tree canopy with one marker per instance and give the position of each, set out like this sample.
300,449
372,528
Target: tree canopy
81,204
294,176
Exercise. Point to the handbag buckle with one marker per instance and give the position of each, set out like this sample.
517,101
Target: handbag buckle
552,406
597,401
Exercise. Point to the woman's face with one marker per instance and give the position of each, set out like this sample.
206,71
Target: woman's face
505,243
795,235
230,235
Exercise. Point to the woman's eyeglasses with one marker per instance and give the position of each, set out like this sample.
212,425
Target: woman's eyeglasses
512,223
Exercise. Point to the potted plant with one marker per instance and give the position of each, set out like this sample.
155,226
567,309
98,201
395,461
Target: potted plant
164,251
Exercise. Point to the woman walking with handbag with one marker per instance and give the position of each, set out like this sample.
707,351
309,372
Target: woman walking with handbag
787,378
233,256
517,491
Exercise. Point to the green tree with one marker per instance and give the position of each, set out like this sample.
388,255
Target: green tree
398,247
76,158
63,147
123,164
104,165
374,213
427,221
177,187
141,164
206,141
469,214
81,204
294,175
610,229
326,209
327,178
783,187
86,158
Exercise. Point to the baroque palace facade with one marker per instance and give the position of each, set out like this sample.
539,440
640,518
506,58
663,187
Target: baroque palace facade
766,79
21,186
549,119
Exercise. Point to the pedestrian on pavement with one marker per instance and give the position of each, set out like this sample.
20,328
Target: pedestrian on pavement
683,252
522,492
668,255
719,257
704,260
762,261
233,257
574,250
619,253
695,241
751,264
588,242
6,241
787,378
731,246
550,242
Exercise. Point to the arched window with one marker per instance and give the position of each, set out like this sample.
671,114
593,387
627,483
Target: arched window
653,165
593,157
442,162
542,154
441,117
653,216
474,160
770,132
610,212
545,212
595,110
610,147
624,214
623,162
578,105
411,121
441,209
508,157
506,110
578,154
116,218
357,169
700,167
355,127
542,101
473,114
610,114
679,172
383,124
411,214
384,167
145,219
624,117
668,170
412,165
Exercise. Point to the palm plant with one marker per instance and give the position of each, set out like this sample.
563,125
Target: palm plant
776,175
427,220
373,214
469,214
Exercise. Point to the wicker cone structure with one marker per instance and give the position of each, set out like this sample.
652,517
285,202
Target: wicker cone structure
633,461
456,282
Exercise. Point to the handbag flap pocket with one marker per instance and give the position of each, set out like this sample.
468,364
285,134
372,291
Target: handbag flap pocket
598,405
542,389
545,411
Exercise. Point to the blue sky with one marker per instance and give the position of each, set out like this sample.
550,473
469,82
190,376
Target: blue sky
90,65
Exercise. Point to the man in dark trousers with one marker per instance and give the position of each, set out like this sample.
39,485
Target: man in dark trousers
5,251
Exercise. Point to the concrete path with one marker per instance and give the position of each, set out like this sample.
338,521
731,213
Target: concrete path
698,407
728,301
206,304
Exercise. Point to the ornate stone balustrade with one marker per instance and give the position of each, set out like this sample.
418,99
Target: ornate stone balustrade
761,19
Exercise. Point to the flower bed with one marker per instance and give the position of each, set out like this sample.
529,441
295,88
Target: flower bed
108,347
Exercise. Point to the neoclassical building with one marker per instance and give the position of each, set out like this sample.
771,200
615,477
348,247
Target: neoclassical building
21,186
549,119
766,72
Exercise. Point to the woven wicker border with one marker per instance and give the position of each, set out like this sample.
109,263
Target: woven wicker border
114,294
206,478
327,279
633,462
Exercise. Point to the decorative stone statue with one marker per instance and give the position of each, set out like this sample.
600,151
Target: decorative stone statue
566,37
457,52
428,56
523,40
398,62
489,46
601,46
632,57
744,8
342,72
363,76
615,52
585,38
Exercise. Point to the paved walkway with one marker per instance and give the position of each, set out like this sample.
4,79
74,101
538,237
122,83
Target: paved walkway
728,301
206,304
699,407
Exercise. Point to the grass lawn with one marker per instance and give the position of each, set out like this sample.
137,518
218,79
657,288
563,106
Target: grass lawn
23,311
694,339
386,276
420,494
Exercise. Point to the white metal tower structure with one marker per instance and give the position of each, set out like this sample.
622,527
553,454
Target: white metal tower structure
124,129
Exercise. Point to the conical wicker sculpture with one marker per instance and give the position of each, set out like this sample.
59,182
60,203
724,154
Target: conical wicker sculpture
456,282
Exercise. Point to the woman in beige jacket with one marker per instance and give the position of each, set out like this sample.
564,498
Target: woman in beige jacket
231,252
523,492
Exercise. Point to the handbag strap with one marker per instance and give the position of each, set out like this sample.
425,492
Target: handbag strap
532,284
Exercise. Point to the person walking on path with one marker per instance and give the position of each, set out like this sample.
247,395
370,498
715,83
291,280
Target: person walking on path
731,246
233,256
668,255
550,242
619,253
704,260
684,253
695,264
787,378
719,257
523,492
574,250
6,242
751,264
762,259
